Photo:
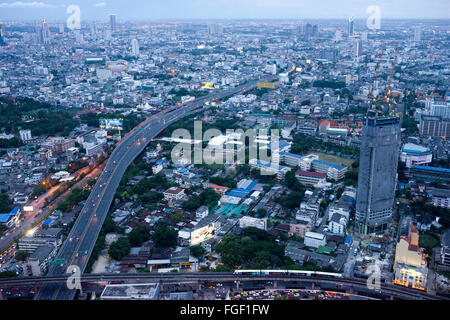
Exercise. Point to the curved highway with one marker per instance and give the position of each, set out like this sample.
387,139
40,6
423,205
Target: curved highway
80,242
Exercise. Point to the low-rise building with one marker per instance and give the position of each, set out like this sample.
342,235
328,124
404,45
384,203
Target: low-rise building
314,239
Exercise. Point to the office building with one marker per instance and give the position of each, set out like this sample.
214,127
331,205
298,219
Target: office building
2,35
25,135
135,47
358,48
434,126
417,33
112,22
377,173
351,26
445,248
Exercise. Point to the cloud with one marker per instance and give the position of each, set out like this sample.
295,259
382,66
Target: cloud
20,4
100,4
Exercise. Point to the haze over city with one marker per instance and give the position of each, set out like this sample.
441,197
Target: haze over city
232,151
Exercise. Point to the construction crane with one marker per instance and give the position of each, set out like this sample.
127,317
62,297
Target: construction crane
387,92
377,70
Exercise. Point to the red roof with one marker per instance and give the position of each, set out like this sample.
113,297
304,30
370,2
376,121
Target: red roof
310,174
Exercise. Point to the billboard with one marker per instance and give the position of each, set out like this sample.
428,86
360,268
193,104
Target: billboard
202,234
269,85
28,208
208,85
111,124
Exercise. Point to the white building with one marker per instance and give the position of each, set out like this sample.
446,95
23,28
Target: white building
135,47
413,154
25,135
247,221
201,212
174,193
314,239
337,224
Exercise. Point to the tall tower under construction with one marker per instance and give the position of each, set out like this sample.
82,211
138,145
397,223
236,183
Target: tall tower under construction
377,176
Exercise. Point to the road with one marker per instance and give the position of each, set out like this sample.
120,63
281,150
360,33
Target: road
78,247
355,285
39,206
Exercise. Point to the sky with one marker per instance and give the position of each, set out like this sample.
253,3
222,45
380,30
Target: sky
223,9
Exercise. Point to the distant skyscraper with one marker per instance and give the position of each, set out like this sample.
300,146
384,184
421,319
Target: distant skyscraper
93,30
351,26
377,176
215,29
308,31
45,31
134,47
338,35
358,48
61,28
112,22
417,33
2,35
364,36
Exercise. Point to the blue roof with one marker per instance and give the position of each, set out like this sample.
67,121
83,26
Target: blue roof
5,217
333,165
348,239
47,221
432,168
291,155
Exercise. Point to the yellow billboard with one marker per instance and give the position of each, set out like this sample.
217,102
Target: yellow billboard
269,85
208,85
202,234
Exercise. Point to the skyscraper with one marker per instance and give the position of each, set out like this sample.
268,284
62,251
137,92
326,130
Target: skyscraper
377,176
134,47
45,30
2,36
112,22
351,26
417,33
215,29
358,48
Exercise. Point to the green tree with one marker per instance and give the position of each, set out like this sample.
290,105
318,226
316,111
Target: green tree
165,236
119,248
138,235
21,255
197,251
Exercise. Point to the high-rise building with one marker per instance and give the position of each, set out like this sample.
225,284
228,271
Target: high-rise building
43,32
351,26
417,33
215,29
93,30
377,177
61,28
2,35
134,47
358,48
112,22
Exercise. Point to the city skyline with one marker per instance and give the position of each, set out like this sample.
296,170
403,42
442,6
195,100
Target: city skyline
204,10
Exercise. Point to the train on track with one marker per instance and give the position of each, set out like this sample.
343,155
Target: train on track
289,273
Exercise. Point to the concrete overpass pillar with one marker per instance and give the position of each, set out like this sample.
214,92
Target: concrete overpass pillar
351,290
237,285
313,285
391,297
275,284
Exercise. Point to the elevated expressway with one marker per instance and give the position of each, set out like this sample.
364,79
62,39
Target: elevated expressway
80,242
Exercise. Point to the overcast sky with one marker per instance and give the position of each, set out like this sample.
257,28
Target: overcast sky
222,9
